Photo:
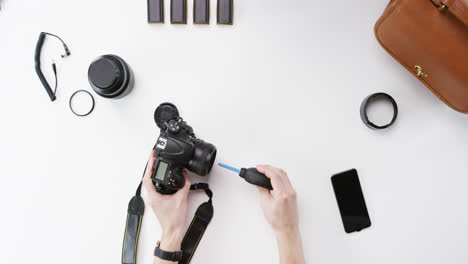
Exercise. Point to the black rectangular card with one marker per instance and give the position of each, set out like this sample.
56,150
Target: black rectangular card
201,11
155,11
179,11
225,12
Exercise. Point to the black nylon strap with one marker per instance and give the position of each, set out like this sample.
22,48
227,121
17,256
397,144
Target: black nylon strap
171,256
136,209
135,212
199,224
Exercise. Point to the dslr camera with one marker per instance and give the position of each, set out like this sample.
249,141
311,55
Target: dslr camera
178,148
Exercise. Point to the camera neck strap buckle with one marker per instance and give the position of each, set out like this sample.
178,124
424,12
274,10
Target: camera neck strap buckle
202,186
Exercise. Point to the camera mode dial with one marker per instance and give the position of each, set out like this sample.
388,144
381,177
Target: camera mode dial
174,126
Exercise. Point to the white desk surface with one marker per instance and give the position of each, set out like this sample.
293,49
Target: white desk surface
281,86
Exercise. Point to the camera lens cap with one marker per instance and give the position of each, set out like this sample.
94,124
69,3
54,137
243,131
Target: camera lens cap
165,112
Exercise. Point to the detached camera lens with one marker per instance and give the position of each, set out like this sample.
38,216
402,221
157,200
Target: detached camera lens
203,158
110,76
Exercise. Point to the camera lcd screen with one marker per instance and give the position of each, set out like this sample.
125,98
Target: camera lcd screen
161,172
351,201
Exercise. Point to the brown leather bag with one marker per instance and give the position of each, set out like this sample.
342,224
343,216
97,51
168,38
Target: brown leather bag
430,39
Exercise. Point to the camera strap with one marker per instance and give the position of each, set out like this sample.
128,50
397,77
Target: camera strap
136,210
199,224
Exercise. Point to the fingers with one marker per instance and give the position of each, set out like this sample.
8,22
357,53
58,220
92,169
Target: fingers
188,183
270,172
183,193
147,181
284,178
279,178
261,168
149,166
264,193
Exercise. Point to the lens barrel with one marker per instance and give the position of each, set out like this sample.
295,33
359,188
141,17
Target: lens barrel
203,158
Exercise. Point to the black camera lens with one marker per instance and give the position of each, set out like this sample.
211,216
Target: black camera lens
110,76
203,159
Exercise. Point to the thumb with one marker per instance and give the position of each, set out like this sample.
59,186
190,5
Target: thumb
264,193
188,183
185,190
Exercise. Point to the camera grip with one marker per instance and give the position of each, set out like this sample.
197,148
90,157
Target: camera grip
177,179
253,176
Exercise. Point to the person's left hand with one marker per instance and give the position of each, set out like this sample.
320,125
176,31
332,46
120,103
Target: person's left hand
171,210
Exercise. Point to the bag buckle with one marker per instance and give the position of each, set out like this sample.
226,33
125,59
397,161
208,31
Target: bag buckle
419,71
441,6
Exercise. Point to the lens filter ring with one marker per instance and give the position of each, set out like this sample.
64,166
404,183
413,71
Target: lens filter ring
70,103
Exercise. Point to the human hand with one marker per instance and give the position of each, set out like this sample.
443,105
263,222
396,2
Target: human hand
280,205
171,210
280,209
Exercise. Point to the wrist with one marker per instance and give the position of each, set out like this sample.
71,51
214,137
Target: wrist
287,232
171,240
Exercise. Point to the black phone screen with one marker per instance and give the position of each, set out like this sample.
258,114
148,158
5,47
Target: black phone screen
351,201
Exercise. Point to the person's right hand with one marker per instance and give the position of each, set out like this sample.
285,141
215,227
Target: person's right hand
280,209
280,205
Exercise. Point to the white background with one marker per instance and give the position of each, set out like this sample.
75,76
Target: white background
281,86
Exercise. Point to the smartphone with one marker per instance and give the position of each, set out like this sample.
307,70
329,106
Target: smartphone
351,201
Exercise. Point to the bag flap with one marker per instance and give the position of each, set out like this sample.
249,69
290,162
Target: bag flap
432,45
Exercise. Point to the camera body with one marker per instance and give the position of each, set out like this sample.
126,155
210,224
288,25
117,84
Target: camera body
178,148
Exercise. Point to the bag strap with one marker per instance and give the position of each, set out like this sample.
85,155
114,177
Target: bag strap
458,8
136,210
